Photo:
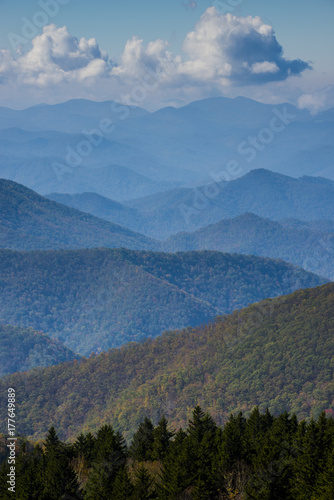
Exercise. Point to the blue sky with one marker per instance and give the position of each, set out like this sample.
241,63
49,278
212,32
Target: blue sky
187,66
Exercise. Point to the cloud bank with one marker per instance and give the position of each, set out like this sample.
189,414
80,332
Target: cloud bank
318,100
221,51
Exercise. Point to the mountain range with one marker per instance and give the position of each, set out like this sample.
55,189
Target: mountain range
275,354
293,242
32,222
262,192
29,221
65,147
95,299
23,349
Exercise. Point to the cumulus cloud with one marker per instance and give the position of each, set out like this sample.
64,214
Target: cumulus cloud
319,100
240,50
221,51
55,56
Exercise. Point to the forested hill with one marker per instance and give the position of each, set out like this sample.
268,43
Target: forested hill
307,247
95,299
262,192
22,349
29,221
277,354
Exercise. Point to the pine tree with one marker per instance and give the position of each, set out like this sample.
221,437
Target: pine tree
29,473
273,464
84,445
100,482
311,466
141,448
123,488
59,477
107,444
174,477
144,487
109,459
201,455
161,439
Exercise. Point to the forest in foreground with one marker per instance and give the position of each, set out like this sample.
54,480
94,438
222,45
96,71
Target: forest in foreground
261,457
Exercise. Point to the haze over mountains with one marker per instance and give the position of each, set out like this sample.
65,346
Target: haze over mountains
95,299
32,222
168,148
132,241
262,192
29,221
311,249
22,349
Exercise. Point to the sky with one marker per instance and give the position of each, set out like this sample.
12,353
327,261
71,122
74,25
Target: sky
155,53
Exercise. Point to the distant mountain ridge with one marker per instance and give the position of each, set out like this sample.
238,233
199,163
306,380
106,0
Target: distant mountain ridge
29,221
275,354
296,242
23,349
101,207
262,192
92,300
169,148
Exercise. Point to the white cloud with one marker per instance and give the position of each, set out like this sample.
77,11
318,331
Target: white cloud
221,51
55,56
264,67
240,50
319,100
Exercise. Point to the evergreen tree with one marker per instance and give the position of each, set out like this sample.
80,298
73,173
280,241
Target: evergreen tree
100,482
201,455
161,439
107,444
144,487
273,465
109,459
29,474
141,448
123,488
174,477
84,445
313,459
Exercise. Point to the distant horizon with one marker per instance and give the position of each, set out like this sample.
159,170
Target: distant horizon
157,55
181,105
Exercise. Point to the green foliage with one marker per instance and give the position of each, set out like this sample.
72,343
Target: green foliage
161,439
58,476
293,461
144,488
141,448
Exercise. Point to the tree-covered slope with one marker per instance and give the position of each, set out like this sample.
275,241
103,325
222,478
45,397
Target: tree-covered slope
250,234
277,354
29,221
101,207
101,298
264,193
22,349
